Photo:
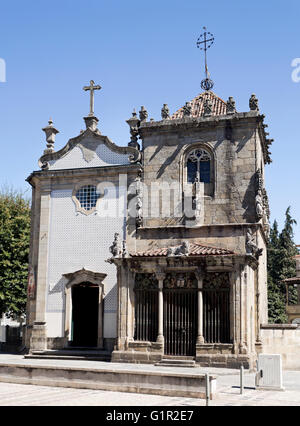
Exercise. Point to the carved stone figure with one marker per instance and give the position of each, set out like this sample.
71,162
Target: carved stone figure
230,106
116,248
125,251
207,105
187,109
165,112
253,103
139,215
259,205
251,247
182,250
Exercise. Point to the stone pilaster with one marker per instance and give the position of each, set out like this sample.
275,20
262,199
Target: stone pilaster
38,339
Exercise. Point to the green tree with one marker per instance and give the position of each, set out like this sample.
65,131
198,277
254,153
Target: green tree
281,265
14,251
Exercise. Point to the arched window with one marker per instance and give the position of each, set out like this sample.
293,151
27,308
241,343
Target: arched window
87,197
199,166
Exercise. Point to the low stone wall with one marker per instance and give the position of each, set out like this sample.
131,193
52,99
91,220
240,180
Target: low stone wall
147,382
283,339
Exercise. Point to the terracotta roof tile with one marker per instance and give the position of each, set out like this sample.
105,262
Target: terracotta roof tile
218,106
195,250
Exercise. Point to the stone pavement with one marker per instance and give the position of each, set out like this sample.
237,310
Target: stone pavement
227,388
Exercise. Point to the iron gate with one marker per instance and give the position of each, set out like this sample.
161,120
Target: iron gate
216,308
180,314
146,308
180,322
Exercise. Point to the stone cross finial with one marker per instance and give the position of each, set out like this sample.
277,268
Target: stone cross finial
91,88
50,131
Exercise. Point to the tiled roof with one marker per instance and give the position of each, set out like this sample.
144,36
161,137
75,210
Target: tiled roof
195,249
218,106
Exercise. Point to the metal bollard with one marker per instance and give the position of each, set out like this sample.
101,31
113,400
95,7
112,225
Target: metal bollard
241,379
207,389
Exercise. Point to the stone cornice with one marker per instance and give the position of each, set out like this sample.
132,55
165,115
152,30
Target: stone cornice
84,172
216,225
194,122
237,119
133,153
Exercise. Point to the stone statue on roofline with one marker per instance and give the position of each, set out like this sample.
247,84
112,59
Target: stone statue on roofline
165,112
230,106
253,103
187,109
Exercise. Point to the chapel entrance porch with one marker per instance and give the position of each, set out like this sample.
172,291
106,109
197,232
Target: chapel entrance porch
184,307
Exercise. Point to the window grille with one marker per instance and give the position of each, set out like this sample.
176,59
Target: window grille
199,166
88,197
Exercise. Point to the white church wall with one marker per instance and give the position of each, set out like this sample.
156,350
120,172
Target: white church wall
54,324
81,157
79,241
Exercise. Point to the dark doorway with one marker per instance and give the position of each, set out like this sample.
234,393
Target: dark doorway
85,306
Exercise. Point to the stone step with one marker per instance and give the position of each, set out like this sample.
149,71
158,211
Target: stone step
172,362
92,355
179,357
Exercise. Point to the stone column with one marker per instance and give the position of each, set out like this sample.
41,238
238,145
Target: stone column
38,339
200,338
160,336
243,313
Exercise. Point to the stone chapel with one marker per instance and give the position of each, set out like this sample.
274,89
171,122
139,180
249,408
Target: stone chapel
156,250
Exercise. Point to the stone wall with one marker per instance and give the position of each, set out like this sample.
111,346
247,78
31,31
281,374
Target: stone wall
282,339
235,162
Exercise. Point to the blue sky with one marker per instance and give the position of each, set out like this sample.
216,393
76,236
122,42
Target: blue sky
144,53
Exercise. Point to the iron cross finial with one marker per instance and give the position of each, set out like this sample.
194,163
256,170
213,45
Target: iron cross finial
92,88
204,42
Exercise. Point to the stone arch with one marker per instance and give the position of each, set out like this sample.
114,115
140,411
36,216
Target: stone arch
89,278
209,187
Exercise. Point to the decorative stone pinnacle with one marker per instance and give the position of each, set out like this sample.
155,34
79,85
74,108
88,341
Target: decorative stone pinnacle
134,124
253,103
143,114
91,123
50,131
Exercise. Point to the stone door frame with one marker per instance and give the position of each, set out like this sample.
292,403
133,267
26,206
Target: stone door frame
78,277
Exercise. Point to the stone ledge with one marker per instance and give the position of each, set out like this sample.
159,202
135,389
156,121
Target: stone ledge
279,326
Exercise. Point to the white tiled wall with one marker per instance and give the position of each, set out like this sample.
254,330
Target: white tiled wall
102,156
78,241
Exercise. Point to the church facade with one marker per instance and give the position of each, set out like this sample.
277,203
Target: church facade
158,249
